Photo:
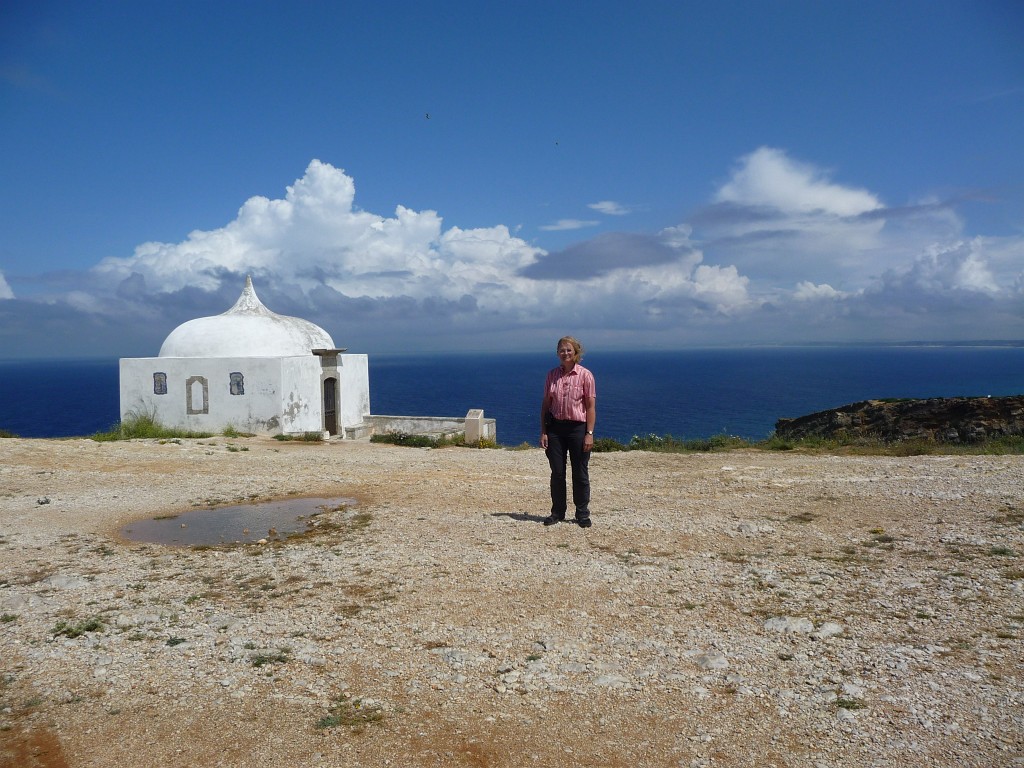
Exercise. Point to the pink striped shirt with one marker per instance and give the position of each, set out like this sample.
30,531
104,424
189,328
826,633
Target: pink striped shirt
567,393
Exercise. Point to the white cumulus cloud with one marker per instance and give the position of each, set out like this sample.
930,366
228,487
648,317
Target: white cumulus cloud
314,236
808,291
609,208
782,221
769,177
943,271
5,289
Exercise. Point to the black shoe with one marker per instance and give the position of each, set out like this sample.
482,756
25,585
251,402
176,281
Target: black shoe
584,522
552,520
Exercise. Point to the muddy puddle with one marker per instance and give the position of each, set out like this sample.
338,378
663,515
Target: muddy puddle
240,524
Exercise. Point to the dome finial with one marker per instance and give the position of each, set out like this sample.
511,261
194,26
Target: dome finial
248,302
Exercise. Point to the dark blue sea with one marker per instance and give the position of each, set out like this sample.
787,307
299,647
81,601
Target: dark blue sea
688,394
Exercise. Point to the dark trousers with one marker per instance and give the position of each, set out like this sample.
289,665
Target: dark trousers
565,438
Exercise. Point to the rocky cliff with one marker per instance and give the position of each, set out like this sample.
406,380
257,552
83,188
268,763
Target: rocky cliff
944,419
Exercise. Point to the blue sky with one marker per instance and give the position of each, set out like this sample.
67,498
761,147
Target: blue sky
475,176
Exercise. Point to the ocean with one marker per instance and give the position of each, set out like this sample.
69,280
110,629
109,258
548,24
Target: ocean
687,394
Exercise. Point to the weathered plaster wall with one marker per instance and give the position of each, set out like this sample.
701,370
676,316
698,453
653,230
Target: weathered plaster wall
301,401
280,394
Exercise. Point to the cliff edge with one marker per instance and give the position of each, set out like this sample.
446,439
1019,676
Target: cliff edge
943,419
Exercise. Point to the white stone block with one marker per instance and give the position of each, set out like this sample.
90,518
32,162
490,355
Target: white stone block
474,426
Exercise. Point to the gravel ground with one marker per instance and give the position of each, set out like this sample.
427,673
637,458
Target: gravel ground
733,609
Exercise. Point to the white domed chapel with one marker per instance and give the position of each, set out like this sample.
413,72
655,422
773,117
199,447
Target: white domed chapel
250,369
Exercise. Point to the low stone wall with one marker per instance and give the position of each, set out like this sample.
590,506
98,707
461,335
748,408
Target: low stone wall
473,424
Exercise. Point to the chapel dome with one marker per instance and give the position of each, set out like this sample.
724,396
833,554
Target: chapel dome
248,329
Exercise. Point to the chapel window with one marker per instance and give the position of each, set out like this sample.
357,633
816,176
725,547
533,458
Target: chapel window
197,395
237,383
159,383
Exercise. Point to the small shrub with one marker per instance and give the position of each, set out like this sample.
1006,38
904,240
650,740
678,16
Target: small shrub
483,442
424,441
305,437
608,445
1000,551
403,438
77,630
262,659
5,433
850,704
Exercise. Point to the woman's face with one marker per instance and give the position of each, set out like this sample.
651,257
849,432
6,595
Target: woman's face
566,353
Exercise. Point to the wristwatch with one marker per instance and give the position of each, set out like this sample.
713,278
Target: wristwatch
590,432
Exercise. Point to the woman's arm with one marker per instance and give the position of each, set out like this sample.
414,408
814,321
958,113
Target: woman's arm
591,405
545,406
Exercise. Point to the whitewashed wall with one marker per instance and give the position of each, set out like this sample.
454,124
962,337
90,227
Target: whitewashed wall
354,385
280,394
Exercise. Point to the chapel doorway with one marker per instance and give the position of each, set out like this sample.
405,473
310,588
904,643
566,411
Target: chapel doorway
331,406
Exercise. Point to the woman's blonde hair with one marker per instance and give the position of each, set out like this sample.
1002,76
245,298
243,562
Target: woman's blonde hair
575,345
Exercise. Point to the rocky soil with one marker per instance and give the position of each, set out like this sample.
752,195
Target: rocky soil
733,609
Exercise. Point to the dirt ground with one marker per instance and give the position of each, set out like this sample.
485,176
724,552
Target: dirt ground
733,609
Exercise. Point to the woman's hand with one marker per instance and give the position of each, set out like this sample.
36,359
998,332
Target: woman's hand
544,440
588,442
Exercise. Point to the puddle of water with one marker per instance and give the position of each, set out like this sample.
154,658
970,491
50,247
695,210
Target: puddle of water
241,524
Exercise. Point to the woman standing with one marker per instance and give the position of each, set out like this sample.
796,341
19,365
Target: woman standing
567,415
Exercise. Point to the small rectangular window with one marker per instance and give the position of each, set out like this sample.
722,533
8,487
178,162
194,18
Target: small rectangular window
159,383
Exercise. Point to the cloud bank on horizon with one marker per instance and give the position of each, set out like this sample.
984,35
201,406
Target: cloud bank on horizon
781,252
